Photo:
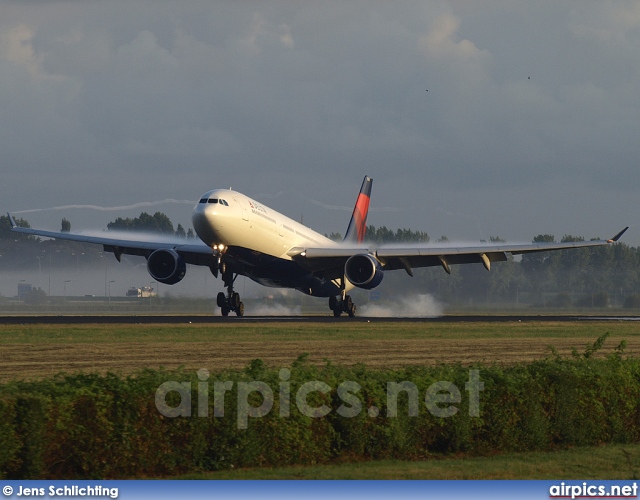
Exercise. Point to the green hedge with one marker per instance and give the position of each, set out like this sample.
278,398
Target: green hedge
93,426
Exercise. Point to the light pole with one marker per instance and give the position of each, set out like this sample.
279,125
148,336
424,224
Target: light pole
106,271
65,288
39,270
112,281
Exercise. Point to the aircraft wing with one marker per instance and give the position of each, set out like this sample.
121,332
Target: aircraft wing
126,243
408,257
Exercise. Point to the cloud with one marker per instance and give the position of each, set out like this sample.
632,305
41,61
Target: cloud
144,53
16,47
102,101
610,24
440,42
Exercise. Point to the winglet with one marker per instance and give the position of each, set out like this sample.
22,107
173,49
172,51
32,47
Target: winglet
358,223
617,236
12,220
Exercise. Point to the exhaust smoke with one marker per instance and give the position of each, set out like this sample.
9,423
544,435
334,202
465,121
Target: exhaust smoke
275,309
417,306
141,204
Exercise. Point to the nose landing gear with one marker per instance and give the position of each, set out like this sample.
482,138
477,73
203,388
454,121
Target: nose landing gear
231,301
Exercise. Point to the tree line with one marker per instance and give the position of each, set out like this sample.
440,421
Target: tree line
157,223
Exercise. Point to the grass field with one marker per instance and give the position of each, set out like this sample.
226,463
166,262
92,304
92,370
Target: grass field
39,351
36,351
613,462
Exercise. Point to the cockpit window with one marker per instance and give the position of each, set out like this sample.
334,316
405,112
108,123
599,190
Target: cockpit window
214,200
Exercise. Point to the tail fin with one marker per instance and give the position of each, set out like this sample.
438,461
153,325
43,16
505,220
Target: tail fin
358,224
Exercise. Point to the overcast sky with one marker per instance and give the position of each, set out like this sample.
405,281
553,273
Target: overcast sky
475,119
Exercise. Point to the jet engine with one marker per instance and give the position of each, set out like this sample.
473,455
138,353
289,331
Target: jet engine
166,266
364,271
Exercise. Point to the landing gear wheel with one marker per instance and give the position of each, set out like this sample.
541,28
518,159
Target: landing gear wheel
234,301
347,303
230,304
352,311
333,303
342,305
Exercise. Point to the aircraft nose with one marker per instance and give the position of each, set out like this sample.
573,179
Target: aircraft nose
205,218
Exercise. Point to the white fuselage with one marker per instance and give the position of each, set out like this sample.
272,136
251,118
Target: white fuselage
257,240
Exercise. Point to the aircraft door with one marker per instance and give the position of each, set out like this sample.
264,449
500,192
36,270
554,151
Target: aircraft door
243,206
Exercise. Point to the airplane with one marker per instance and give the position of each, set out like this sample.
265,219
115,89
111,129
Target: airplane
240,236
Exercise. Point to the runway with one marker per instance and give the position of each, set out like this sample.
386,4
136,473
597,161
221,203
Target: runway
200,319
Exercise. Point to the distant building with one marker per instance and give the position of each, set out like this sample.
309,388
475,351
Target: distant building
23,290
145,291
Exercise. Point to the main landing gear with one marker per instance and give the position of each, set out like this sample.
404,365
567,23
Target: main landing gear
342,304
231,301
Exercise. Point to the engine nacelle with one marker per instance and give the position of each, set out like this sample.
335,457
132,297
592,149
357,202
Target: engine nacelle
166,266
364,271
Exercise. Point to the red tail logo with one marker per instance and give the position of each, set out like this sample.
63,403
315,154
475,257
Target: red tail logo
360,216
358,225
